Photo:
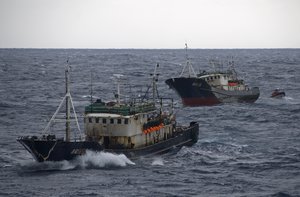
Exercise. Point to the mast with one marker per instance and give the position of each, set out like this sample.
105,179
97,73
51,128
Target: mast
153,86
67,102
154,80
187,64
118,78
91,91
187,59
118,93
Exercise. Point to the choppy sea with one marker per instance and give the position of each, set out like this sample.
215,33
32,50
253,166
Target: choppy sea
243,149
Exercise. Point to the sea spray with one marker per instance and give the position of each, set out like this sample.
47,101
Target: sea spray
103,159
91,160
158,161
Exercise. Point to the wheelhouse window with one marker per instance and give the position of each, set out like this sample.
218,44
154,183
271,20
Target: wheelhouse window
97,120
90,120
104,120
126,121
111,121
119,121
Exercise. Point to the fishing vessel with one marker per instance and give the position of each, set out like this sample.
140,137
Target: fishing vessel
135,128
210,88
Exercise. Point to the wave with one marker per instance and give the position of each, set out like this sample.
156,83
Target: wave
89,96
91,160
103,159
157,162
281,194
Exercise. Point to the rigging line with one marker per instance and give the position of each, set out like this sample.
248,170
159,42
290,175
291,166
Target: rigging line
54,115
45,158
75,117
157,93
146,93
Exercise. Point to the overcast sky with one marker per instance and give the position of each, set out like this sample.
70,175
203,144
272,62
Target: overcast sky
149,23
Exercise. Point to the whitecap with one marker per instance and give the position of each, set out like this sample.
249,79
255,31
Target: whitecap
157,162
89,160
103,159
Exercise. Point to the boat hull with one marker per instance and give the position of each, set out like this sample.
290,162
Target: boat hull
43,149
56,149
197,92
278,95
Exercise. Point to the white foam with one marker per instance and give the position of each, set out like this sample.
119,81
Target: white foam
288,98
6,166
103,159
89,96
66,165
89,160
157,162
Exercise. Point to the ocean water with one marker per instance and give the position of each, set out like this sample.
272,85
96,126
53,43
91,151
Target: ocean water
243,149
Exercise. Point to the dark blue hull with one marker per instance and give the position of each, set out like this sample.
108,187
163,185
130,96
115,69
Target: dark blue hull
197,92
56,149
43,149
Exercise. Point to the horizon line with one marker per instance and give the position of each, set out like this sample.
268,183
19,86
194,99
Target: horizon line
149,48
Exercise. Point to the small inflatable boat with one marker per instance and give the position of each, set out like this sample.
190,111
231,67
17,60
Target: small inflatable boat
278,93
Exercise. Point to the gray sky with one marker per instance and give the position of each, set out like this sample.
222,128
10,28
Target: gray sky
149,23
